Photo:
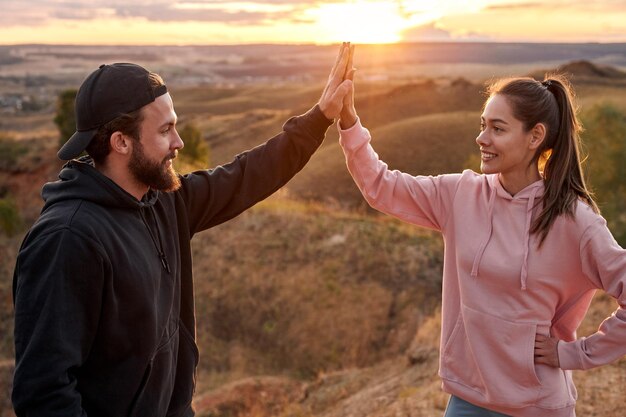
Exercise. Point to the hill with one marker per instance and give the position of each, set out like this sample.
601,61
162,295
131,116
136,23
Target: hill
587,72
424,145
588,69
285,260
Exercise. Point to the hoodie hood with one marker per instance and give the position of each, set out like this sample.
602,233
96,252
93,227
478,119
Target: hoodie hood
530,194
79,179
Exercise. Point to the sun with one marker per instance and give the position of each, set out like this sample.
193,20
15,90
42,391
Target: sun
359,21
377,21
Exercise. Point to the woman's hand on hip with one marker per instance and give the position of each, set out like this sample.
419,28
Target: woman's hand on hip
546,350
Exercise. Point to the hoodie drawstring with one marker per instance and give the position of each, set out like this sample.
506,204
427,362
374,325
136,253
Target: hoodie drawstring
529,215
158,246
481,249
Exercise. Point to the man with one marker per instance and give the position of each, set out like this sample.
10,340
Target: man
104,314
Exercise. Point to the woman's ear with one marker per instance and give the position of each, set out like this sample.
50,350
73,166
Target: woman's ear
538,135
120,143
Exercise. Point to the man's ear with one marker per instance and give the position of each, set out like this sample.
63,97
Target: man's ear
120,143
538,135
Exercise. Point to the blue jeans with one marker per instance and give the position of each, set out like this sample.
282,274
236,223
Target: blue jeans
461,408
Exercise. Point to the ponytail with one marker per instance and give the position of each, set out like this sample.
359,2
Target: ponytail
563,172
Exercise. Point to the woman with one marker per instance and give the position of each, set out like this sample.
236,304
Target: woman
525,250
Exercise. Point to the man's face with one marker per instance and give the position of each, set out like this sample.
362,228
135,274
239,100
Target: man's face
151,158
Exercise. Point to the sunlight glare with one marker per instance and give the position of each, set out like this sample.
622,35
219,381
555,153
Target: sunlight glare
375,21
360,21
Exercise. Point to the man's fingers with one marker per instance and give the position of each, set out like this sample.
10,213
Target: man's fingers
332,99
341,49
350,63
334,103
339,70
334,69
337,63
342,90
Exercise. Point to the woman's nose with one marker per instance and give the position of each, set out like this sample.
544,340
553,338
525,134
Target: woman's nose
482,139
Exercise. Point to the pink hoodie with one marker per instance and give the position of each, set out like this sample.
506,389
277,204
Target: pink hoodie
499,288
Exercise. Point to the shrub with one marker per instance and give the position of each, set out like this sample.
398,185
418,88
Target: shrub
10,220
11,151
65,119
196,152
605,141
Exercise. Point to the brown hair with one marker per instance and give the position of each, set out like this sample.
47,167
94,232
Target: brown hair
551,102
129,124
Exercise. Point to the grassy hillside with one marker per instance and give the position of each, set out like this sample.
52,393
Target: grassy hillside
296,288
404,385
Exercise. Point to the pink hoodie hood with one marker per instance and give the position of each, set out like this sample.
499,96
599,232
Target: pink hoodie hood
499,287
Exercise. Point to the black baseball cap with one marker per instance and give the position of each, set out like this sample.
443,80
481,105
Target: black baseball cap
108,92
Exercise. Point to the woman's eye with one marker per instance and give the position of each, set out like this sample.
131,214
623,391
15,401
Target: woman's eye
482,127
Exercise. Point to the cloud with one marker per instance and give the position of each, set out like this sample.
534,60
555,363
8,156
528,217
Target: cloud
605,6
15,13
474,37
428,32
432,33
172,14
244,12
513,6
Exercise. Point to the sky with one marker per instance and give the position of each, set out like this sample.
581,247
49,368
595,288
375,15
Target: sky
215,22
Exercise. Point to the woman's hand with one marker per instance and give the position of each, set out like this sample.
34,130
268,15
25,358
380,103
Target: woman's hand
546,351
337,87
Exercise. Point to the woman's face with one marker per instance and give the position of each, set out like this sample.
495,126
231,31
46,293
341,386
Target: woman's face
505,146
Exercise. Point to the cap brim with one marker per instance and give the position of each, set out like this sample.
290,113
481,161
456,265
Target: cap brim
76,144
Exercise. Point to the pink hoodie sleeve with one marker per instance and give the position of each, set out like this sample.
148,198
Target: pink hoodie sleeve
422,200
604,264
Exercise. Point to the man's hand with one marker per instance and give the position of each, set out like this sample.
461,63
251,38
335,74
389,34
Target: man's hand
338,86
348,112
546,351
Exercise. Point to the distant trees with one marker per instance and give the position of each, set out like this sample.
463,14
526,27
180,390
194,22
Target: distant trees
605,142
11,151
65,118
196,152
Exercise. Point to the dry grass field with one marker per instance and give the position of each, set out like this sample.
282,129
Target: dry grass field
311,304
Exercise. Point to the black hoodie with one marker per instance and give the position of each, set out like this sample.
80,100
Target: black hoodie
104,313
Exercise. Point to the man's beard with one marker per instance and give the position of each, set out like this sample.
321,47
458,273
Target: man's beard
155,175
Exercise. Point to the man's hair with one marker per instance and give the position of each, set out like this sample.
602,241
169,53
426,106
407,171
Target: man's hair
129,124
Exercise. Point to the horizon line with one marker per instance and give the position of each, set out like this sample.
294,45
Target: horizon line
430,41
